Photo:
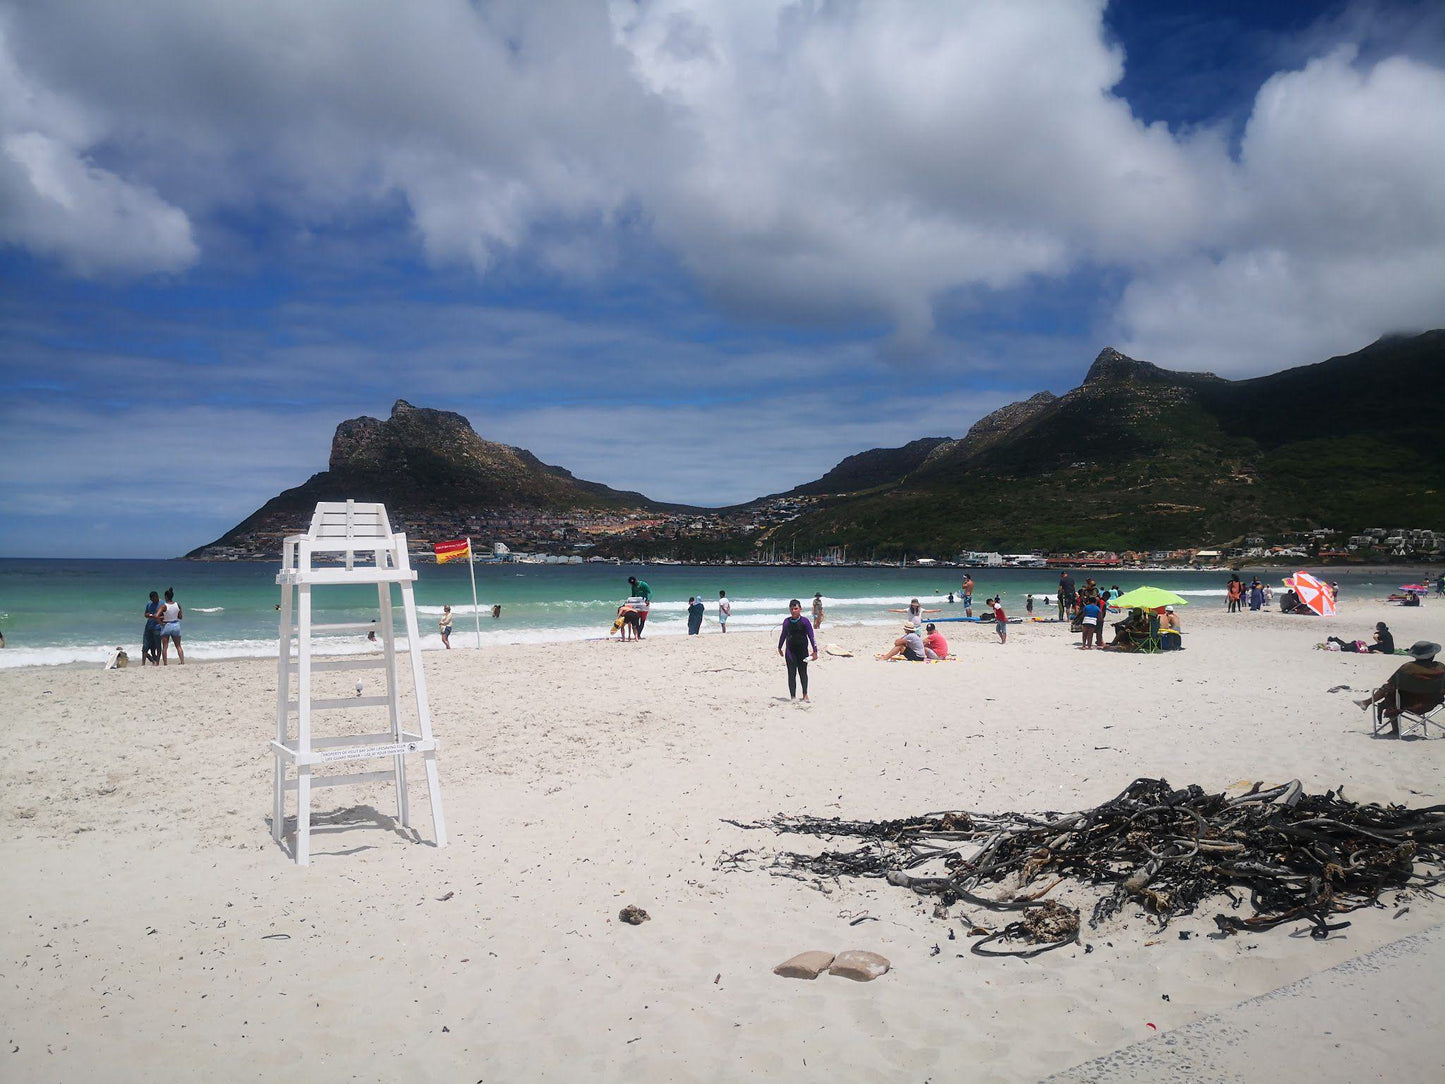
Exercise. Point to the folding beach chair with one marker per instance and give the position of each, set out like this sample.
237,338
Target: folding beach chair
1152,643
1418,720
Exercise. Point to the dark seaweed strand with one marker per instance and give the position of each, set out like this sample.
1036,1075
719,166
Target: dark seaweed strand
1295,856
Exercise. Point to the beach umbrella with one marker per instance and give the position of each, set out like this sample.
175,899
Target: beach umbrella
1313,594
1147,598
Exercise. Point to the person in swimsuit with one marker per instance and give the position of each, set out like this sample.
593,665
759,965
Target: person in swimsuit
445,625
794,642
966,590
818,610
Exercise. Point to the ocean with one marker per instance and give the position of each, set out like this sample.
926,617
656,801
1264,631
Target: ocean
76,611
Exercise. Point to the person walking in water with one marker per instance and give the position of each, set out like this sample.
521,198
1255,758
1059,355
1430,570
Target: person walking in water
795,642
724,610
445,627
818,610
170,617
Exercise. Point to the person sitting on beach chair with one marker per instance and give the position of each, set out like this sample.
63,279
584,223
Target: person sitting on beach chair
1416,690
909,645
1131,633
1171,636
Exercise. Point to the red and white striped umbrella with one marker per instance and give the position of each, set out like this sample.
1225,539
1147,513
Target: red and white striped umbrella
1314,594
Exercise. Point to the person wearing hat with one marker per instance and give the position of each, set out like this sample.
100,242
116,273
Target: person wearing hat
909,645
1384,642
934,645
1420,685
1171,635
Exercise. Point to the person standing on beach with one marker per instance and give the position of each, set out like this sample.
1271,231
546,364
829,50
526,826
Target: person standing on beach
818,610
643,590
1000,619
170,619
1090,621
1233,592
794,642
150,644
967,592
694,615
1067,593
445,627
724,610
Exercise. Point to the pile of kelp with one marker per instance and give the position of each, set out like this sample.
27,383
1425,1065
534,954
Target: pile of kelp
1291,856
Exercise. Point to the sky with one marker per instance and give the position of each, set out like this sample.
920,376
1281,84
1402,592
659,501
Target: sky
699,249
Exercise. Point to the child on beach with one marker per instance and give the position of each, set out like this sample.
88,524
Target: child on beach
794,641
1000,619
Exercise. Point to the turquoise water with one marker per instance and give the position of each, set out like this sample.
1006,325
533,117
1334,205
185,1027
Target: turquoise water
77,610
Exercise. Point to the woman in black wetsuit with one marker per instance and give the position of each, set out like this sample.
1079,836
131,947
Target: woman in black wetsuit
794,644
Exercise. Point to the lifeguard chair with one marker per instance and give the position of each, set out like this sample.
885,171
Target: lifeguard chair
360,539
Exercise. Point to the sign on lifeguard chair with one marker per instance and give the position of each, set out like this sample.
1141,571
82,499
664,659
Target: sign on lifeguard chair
358,537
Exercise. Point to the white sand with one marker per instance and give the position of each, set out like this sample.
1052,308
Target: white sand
143,891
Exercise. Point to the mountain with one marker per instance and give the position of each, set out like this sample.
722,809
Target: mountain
426,466
1139,456
1135,457
877,466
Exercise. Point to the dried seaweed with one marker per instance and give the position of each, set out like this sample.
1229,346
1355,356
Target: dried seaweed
1292,856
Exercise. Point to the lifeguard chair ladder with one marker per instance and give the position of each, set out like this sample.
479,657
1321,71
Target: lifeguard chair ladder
355,531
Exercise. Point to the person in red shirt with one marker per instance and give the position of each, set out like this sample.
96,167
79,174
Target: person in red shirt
934,645
1000,619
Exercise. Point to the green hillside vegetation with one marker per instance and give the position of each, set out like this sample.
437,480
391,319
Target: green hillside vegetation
1141,458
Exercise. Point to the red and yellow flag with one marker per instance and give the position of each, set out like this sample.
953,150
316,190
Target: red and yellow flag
460,550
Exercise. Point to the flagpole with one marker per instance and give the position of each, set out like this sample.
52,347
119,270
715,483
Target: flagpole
476,608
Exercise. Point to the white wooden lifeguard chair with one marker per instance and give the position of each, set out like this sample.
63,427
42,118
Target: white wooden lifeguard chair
360,536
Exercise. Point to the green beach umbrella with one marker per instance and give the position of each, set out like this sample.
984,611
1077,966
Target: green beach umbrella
1148,598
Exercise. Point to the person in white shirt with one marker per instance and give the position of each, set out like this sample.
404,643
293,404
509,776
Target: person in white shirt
724,609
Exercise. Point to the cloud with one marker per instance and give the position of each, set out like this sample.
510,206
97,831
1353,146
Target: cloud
844,165
1335,233
57,203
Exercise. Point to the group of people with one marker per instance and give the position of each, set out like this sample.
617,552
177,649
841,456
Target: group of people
918,644
162,630
1258,596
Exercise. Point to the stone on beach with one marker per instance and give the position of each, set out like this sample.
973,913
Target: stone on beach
859,965
805,965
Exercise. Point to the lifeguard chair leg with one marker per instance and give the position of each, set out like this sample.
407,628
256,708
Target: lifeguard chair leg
423,711
393,697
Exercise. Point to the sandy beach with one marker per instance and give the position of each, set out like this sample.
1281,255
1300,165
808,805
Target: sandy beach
154,931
